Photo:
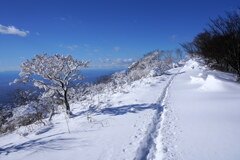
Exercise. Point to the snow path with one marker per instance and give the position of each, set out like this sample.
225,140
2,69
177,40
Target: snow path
151,147
202,117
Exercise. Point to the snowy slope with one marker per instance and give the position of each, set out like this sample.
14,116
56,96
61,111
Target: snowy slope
188,113
202,120
116,132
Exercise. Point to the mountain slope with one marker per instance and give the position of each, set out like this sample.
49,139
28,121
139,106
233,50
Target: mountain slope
187,113
112,132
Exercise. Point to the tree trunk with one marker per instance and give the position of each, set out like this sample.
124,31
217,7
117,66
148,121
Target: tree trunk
66,103
238,76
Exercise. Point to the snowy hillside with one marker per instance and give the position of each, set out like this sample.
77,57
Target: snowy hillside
203,115
187,113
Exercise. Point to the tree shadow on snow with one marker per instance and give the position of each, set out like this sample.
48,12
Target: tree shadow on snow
38,144
135,108
169,73
121,110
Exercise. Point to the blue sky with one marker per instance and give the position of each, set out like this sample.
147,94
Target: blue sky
109,33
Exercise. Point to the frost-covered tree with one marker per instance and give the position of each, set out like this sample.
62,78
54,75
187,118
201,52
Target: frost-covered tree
24,97
179,54
53,74
154,63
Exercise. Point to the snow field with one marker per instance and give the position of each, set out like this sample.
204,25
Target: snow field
189,114
205,108
115,132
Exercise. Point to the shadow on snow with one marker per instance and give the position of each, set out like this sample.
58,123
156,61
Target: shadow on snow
39,143
115,111
135,108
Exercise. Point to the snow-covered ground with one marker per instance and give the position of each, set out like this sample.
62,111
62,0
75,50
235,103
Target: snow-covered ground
188,113
203,115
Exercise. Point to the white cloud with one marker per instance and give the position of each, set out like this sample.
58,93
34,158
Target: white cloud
62,18
72,47
13,68
119,62
117,49
86,45
96,50
12,30
108,55
173,37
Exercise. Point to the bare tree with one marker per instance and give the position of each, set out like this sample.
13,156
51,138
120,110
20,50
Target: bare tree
219,44
53,74
179,54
